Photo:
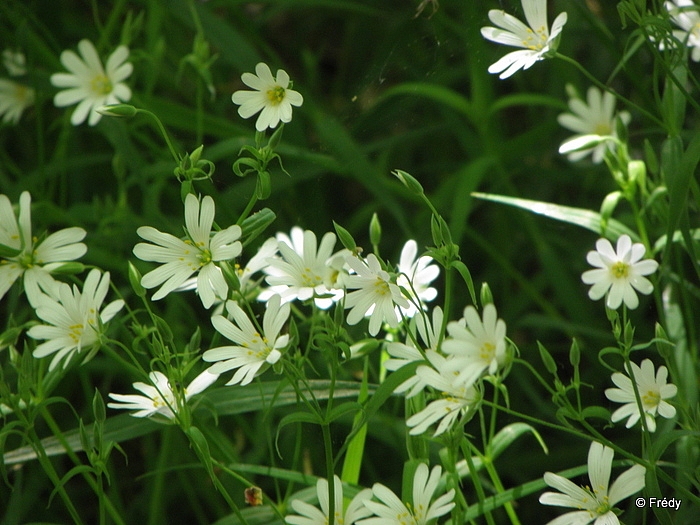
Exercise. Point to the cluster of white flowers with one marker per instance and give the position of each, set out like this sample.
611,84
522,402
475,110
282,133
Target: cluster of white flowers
388,510
476,346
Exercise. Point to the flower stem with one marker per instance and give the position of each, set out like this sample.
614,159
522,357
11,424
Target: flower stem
163,132
610,90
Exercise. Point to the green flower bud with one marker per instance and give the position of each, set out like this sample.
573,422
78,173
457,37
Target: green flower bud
375,230
135,281
409,181
117,110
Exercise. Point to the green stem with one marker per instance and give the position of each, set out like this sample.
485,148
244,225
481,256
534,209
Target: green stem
610,90
247,209
328,450
56,431
467,452
163,132
447,304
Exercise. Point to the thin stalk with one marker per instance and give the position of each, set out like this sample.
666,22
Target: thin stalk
56,431
610,90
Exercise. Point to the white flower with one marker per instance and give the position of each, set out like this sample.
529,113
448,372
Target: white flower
15,62
89,84
37,258
245,275
478,346
14,99
302,271
536,40
75,322
392,511
374,290
653,391
456,397
159,397
684,14
415,275
621,272
272,97
253,349
199,252
595,118
404,354
595,502
310,515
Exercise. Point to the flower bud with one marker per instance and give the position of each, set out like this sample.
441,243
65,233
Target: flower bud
409,181
117,110
375,230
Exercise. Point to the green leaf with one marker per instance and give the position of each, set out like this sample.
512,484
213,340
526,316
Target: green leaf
223,401
356,446
500,499
597,412
467,276
80,469
340,410
201,448
300,417
437,93
587,219
257,223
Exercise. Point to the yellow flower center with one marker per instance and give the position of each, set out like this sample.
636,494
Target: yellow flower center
603,128
276,95
101,85
620,270
205,257
651,399
487,351
310,279
536,40
76,332
381,287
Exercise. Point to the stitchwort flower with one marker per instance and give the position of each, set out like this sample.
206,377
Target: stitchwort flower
596,117
198,252
537,41
75,322
597,501
374,292
455,399
89,84
310,515
253,350
14,99
36,258
390,510
653,392
272,97
415,275
619,272
159,397
301,273
685,15
478,344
